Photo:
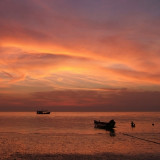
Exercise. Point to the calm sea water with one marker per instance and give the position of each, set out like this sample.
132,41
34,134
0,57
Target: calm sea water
26,135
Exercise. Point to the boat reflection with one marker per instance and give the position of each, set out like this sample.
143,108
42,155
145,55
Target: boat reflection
112,132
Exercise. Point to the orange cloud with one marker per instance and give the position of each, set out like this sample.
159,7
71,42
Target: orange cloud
45,47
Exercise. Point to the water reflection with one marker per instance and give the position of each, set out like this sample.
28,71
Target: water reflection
112,132
64,133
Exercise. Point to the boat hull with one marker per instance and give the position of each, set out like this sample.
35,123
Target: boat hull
43,112
104,125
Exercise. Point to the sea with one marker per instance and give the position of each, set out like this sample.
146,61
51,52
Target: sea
72,136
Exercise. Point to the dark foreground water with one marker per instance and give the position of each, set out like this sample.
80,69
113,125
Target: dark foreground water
66,135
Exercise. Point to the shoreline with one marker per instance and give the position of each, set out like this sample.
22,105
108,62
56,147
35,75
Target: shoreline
98,156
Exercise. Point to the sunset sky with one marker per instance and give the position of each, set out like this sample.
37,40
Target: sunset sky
80,55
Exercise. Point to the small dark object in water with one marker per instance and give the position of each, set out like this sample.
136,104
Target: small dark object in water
152,124
133,124
43,112
104,125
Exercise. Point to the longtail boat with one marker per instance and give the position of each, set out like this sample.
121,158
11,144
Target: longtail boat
104,125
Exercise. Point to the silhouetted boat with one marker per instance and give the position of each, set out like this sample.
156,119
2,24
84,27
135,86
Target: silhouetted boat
105,125
43,112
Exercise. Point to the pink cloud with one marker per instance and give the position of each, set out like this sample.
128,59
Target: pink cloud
68,45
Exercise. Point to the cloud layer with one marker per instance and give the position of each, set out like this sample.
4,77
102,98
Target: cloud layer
80,47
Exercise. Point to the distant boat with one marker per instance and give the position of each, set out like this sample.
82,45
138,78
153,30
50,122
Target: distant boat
105,125
42,112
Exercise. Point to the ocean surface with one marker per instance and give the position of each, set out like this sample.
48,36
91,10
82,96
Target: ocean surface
71,135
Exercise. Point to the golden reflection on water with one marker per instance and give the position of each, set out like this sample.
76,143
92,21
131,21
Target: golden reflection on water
74,133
